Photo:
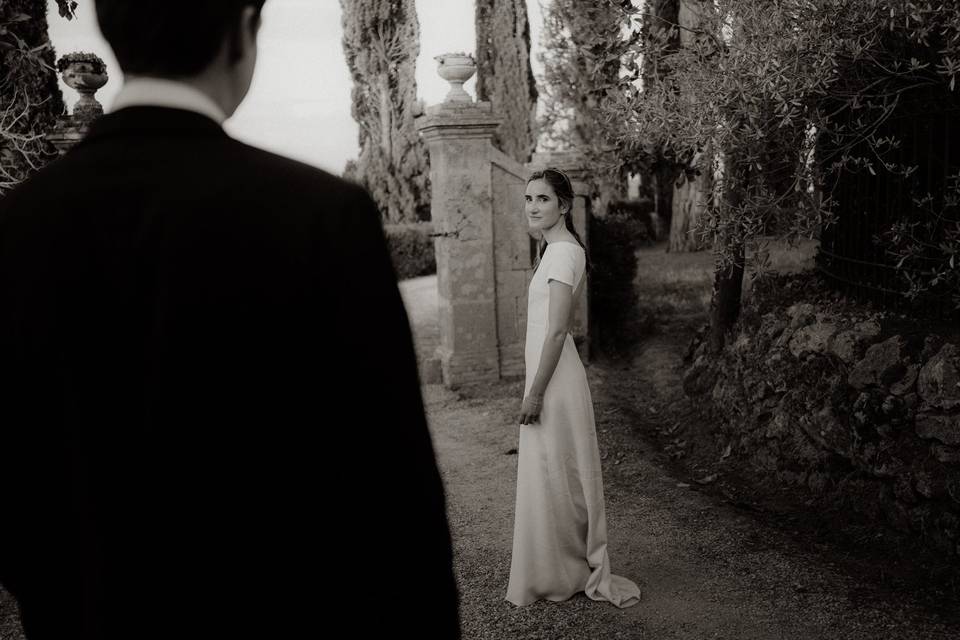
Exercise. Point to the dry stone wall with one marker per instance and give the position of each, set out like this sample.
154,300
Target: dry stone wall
857,406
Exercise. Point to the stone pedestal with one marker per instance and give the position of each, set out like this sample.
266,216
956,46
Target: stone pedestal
458,137
85,73
68,131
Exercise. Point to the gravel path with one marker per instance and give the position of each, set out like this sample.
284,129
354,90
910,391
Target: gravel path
706,569
420,299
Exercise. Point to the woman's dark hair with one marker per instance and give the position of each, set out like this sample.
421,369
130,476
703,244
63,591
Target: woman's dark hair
173,38
563,189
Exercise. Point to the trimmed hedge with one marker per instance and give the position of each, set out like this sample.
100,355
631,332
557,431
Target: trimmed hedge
614,241
411,249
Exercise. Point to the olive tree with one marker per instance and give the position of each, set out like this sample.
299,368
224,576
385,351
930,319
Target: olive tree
788,94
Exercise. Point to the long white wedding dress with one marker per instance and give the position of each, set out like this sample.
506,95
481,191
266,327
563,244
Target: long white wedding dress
560,530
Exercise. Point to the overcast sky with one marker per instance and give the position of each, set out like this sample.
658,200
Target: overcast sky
299,104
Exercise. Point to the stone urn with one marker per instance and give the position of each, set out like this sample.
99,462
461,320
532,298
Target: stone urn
456,68
85,73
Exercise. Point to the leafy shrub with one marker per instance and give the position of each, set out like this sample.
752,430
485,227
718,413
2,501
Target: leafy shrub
30,99
411,248
614,240
640,210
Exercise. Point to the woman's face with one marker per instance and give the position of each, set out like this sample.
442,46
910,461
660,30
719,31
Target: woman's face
543,208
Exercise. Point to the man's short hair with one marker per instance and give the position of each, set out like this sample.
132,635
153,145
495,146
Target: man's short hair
169,39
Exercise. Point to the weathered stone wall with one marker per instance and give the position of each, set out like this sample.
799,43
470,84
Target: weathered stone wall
858,406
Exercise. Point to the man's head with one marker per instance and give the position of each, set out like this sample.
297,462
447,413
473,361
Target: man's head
185,40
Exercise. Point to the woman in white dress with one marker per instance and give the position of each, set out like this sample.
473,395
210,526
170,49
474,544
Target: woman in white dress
560,531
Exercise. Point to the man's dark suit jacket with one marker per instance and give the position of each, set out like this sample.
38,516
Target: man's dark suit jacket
211,419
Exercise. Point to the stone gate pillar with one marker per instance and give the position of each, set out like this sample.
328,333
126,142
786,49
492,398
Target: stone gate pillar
459,137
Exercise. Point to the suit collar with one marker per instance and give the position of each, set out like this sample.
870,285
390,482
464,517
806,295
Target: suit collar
153,121
161,92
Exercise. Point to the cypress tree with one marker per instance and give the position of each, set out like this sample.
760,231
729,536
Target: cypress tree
381,40
504,75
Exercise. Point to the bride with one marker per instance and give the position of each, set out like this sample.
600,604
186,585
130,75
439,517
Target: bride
560,531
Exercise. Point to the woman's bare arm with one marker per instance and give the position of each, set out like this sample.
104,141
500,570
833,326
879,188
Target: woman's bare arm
558,324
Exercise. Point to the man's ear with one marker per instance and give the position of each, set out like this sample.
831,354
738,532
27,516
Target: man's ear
243,33
250,20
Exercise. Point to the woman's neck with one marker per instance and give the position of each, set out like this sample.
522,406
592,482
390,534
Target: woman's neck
558,232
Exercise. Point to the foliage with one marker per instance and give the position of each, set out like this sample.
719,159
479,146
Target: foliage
581,63
99,66
922,240
411,248
659,172
788,90
30,99
381,43
351,172
504,76
613,241
926,246
640,210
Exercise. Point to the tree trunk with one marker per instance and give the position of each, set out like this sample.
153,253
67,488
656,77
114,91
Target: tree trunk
691,193
692,190
662,183
728,280
659,34
727,295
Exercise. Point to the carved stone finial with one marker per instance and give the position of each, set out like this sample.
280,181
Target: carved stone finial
456,68
85,73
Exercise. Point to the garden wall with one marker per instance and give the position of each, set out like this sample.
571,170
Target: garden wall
857,406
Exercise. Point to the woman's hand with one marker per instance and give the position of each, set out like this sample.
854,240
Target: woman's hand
530,410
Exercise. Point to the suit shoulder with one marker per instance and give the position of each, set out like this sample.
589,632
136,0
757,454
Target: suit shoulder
37,187
274,182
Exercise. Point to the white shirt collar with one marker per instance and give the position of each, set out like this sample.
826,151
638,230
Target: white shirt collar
158,92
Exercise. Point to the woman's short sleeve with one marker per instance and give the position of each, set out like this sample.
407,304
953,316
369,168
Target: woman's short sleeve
562,266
